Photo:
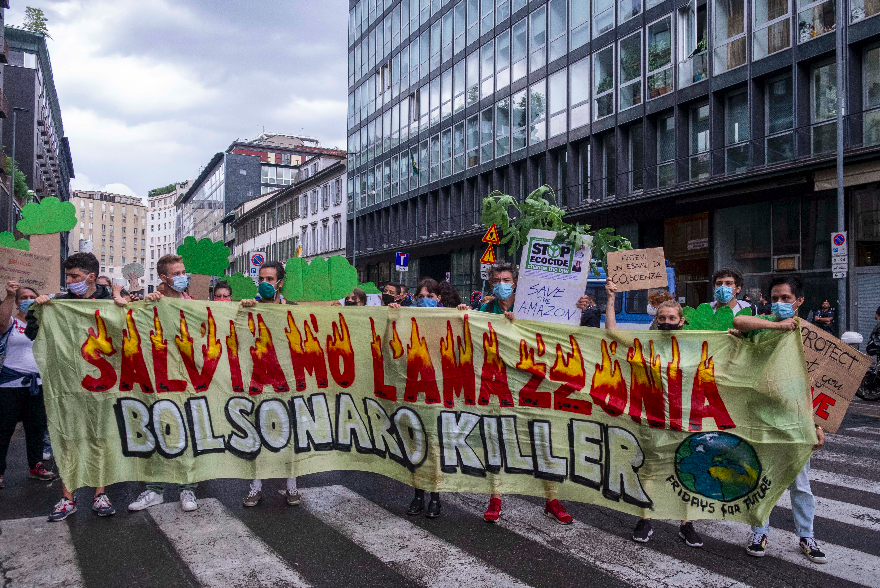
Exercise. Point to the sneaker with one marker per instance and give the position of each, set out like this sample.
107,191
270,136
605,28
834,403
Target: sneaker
690,535
38,472
555,511
188,501
643,531
433,509
253,497
292,498
102,506
757,546
146,499
493,513
62,510
417,506
812,551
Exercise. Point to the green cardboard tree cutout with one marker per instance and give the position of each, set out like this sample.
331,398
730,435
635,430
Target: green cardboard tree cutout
205,257
7,239
242,286
322,279
703,318
369,288
48,216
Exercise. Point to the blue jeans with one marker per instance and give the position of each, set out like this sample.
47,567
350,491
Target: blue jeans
803,507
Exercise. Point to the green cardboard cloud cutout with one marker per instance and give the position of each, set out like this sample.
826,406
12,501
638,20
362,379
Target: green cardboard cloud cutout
242,286
48,216
7,239
703,318
205,257
322,279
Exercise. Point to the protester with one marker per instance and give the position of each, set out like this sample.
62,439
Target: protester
503,278
728,282
764,307
390,293
405,298
21,392
669,317
449,297
80,275
172,274
591,316
655,299
823,317
104,281
222,292
787,295
271,279
357,298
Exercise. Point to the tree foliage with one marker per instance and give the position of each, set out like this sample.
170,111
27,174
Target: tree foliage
162,191
537,212
48,216
35,21
205,257
21,187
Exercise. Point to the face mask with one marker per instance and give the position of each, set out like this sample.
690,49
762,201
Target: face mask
427,303
782,310
266,290
78,288
723,294
668,327
387,299
222,298
502,291
24,305
350,302
180,283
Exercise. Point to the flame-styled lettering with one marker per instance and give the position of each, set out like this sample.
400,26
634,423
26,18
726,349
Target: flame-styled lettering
394,343
608,390
211,352
420,374
493,380
134,366
93,350
234,361
339,349
266,369
674,387
646,386
160,359
380,388
569,369
529,395
458,374
705,400
306,354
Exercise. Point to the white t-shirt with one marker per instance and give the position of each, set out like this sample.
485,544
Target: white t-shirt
19,354
740,304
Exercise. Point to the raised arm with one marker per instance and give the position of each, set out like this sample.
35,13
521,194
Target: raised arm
610,316
7,307
745,323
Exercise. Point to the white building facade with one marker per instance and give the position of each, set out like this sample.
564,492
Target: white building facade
161,224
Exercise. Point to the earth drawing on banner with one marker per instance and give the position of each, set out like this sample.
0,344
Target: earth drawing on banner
719,466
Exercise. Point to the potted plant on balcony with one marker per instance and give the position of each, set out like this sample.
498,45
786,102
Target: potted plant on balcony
606,84
699,70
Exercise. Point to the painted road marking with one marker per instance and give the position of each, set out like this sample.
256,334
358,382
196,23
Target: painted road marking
841,512
614,555
410,550
35,553
851,461
835,441
220,550
865,430
844,481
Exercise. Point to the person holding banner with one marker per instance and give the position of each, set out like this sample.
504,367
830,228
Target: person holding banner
21,392
172,274
271,279
80,275
222,292
786,296
669,317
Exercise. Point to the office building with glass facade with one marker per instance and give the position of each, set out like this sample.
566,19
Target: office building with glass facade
707,127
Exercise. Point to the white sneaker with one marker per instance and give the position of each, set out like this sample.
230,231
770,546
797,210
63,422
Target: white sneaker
188,501
146,499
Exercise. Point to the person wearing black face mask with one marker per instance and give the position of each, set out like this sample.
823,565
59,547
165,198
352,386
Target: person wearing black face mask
389,294
357,298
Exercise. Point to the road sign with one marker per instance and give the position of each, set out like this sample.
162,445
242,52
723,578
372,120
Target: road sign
484,271
839,259
839,267
838,243
488,256
838,275
491,236
258,258
402,261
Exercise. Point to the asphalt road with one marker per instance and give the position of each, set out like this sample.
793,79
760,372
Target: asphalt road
351,530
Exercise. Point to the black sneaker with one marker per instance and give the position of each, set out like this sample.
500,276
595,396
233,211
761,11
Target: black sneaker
643,531
690,536
417,506
757,546
433,509
812,551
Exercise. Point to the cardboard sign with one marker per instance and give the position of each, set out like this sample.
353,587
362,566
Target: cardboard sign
543,259
49,246
199,286
836,371
638,269
28,268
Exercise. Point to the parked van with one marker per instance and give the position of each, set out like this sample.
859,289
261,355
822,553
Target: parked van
630,308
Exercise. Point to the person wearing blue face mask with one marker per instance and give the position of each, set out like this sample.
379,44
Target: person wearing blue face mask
786,297
728,283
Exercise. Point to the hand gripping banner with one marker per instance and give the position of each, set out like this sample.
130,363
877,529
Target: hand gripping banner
670,425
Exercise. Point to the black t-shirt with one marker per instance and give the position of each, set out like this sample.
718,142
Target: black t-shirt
591,317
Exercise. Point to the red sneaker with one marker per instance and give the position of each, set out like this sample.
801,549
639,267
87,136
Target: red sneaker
38,472
493,513
555,511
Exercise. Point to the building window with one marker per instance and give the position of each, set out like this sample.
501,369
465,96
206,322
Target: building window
458,25
435,158
502,60
486,136
538,112
487,61
772,27
473,78
603,81
473,141
435,44
446,94
660,57
692,43
815,18
736,132
823,107
608,147
487,16
519,105
730,40
502,127
446,51
636,153
699,141
537,39
435,101
423,163
558,28
779,115
579,81
446,153
458,148
603,16
558,89
860,9
631,71
871,89
519,49
386,181
629,9
666,150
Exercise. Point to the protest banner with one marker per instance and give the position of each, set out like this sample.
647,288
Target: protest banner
28,268
679,425
836,371
638,269
552,277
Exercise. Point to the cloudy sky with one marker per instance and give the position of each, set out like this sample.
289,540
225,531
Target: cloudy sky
150,90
